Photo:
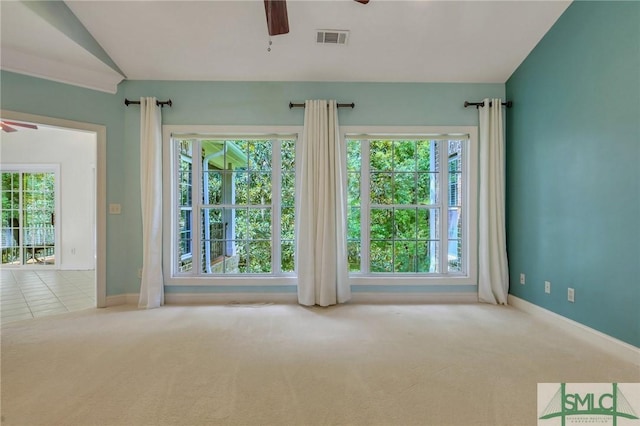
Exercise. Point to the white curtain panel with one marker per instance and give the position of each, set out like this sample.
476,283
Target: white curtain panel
321,253
152,285
493,282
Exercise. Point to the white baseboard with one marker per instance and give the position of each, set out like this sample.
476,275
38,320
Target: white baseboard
287,298
413,298
123,299
81,267
604,341
226,298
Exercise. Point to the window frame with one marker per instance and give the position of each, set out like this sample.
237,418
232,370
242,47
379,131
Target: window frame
172,275
469,197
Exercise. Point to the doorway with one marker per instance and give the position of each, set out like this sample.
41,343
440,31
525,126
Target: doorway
54,228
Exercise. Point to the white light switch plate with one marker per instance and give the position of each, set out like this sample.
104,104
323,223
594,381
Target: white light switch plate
115,208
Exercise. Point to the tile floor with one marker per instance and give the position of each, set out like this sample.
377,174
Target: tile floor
26,294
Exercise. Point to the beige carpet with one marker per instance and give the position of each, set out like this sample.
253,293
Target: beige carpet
290,365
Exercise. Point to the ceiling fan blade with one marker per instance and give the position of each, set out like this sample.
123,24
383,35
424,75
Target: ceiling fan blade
15,123
277,19
363,1
7,128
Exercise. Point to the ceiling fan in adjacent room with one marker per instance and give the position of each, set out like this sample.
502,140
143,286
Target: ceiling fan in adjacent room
10,126
277,19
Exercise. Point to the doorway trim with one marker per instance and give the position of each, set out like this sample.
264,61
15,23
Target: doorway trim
101,188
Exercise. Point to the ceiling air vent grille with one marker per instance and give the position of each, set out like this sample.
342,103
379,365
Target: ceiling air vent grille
332,36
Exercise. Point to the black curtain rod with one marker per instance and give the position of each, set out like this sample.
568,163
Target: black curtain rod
351,105
508,104
161,104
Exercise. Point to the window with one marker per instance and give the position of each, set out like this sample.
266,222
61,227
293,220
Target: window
230,204
185,188
409,203
29,206
233,211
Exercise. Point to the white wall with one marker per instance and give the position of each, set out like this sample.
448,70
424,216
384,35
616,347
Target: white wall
75,152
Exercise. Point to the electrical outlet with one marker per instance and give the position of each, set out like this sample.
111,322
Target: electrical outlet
140,273
571,295
522,278
547,287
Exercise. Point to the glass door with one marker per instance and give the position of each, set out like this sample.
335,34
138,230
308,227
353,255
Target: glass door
29,218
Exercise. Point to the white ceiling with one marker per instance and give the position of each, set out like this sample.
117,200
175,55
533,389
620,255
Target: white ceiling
390,41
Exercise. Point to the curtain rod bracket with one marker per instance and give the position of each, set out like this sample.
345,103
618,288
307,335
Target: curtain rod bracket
339,105
161,104
507,104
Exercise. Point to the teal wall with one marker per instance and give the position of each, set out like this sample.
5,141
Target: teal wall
41,97
573,169
224,103
267,103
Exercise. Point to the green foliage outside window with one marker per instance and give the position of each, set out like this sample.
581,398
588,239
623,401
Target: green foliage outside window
237,205
28,207
404,204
